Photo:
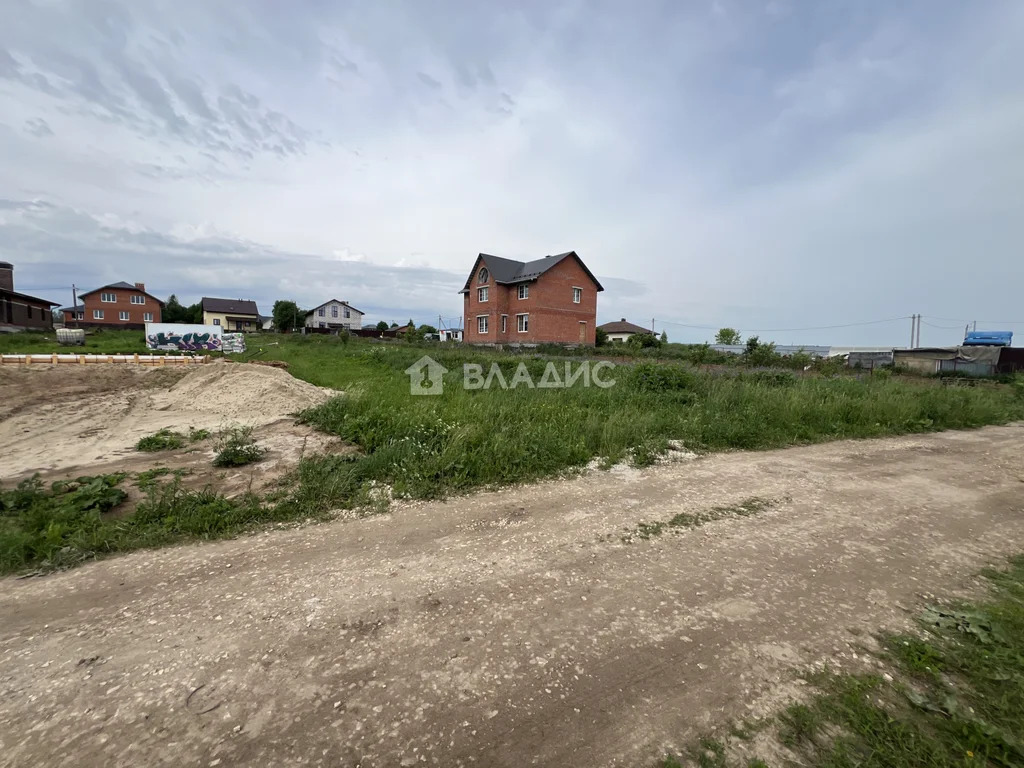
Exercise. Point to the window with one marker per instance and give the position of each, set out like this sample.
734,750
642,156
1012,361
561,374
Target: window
123,315
28,311
147,317
504,323
483,276
347,315
577,295
524,291
110,298
323,325
138,299
481,324
481,293
97,314
79,315
334,310
523,321
216,321
321,312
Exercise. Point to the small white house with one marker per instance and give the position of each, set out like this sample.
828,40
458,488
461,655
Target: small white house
450,334
335,315
621,331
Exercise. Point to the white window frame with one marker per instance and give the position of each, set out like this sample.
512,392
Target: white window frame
147,317
347,313
79,315
124,316
483,324
216,321
334,310
138,299
524,290
108,298
523,322
97,314
504,323
483,294
577,295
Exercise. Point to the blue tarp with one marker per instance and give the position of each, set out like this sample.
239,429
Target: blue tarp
988,338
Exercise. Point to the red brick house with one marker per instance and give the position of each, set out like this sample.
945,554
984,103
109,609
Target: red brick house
550,300
118,305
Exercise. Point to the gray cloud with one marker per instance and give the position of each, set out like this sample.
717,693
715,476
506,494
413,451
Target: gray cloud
428,81
38,127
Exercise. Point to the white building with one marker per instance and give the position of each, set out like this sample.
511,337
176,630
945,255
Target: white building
335,315
450,334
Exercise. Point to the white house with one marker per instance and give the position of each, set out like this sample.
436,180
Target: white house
335,314
621,331
450,334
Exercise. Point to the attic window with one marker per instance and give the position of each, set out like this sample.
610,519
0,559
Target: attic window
483,276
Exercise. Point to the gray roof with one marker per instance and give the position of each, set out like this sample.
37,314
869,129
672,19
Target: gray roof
622,326
124,287
232,306
509,271
335,301
79,308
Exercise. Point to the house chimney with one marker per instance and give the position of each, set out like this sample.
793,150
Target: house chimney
623,319
141,287
6,276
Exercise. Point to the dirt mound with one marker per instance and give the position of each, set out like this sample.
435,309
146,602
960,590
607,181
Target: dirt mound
58,418
250,393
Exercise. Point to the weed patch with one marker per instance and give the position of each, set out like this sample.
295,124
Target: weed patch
683,520
169,440
236,447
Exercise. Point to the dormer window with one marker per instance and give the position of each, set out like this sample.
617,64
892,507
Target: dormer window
483,276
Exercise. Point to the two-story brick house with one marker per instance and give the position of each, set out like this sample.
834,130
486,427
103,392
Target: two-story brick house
550,300
118,305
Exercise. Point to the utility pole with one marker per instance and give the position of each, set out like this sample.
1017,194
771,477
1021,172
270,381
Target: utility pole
975,326
652,325
913,323
917,342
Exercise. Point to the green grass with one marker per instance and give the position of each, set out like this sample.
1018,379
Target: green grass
103,342
953,696
169,440
236,447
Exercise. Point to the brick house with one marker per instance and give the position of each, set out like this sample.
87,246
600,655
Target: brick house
118,305
19,310
550,300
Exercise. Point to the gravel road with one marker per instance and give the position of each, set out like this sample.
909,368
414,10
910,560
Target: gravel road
504,629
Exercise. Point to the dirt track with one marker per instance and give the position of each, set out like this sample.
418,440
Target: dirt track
505,629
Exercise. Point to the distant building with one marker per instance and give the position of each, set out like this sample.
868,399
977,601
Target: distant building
19,310
621,330
449,334
549,300
117,305
233,315
335,315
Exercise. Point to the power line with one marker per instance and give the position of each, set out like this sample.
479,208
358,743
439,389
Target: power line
789,330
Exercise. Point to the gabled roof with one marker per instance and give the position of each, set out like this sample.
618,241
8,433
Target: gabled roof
230,306
121,286
25,296
623,326
335,301
79,308
508,271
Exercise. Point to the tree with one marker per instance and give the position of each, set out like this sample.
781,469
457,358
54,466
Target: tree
411,334
427,329
643,340
664,337
728,336
173,312
286,315
382,325
600,337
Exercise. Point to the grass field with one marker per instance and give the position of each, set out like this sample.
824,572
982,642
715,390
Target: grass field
432,446
950,695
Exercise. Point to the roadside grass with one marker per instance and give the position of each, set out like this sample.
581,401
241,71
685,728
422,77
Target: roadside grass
746,508
425,447
952,695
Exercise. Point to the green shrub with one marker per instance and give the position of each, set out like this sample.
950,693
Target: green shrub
653,377
162,440
236,447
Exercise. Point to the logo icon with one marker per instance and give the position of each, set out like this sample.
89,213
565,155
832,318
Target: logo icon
426,376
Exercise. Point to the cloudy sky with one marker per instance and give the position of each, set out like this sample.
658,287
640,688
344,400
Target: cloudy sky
771,164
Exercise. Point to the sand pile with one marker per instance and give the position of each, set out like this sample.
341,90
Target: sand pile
250,393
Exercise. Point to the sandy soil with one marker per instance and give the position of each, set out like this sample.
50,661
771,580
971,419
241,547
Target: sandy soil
63,420
504,629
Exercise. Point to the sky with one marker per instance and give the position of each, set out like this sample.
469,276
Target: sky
761,165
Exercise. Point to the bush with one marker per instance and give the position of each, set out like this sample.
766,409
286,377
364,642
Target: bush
654,377
162,440
237,447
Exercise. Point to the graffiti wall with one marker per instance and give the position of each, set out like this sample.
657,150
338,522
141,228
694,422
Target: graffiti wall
178,336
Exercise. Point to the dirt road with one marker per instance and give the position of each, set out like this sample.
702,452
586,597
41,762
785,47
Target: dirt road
505,629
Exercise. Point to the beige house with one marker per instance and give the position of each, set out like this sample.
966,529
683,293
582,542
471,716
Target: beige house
621,330
233,315
335,315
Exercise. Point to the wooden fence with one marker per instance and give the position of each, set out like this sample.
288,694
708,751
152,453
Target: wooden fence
65,359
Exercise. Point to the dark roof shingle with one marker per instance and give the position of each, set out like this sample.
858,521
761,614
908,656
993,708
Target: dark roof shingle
509,271
623,326
233,306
